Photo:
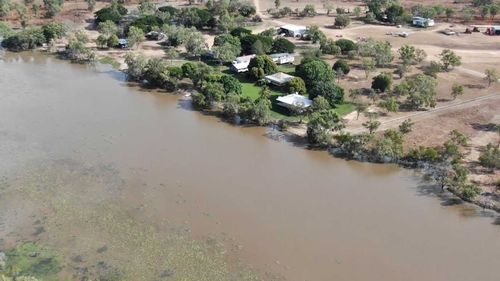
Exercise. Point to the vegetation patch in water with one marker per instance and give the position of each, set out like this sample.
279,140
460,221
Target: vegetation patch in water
31,259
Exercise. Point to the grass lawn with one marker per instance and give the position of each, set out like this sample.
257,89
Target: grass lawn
252,91
344,109
111,61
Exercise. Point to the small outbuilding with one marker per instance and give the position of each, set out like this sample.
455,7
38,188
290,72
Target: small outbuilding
241,63
292,30
282,58
294,101
279,79
423,22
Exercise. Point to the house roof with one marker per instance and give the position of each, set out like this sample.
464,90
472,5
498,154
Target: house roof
293,27
280,77
244,59
295,100
279,55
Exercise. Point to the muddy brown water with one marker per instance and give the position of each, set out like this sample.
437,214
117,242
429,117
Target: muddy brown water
279,208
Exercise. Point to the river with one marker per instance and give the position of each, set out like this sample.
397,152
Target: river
103,171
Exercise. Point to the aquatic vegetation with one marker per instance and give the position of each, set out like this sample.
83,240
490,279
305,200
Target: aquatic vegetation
31,259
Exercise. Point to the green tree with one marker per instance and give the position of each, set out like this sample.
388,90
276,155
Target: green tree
342,21
225,52
107,28
135,36
5,7
491,76
155,73
321,125
53,7
308,11
372,124
421,91
261,111
360,108
368,65
457,90
313,70
390,104
449,59
490,156
327,89
261,66
136,66
341,65
277,4
382,82
53,31
406,127
383,54
195,44
91,5
329,47
113,41
146,7
346,45
297,85
101,41
282,45
357,12
450,12
316,34
411,55
494,8
320,103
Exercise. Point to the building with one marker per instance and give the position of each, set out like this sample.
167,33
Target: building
241,63
292,30
294,101
282,58
279,79
423,22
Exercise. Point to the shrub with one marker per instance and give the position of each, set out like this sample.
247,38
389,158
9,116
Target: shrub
282,45
427,154
469,191
341,65
346,45
382,82
114,13
113,41
25,40
342,20
53,31
490,156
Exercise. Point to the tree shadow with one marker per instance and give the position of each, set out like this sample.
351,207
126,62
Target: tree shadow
474,86
488,127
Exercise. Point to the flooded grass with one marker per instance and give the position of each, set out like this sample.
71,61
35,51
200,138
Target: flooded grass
101,239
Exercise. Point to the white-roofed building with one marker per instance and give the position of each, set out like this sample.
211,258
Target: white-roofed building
241,63
292,30
279,79
294,101
282,58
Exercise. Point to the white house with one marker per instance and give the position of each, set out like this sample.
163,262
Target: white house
279,79
241,63
423,22
293,30
294,101
282,58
